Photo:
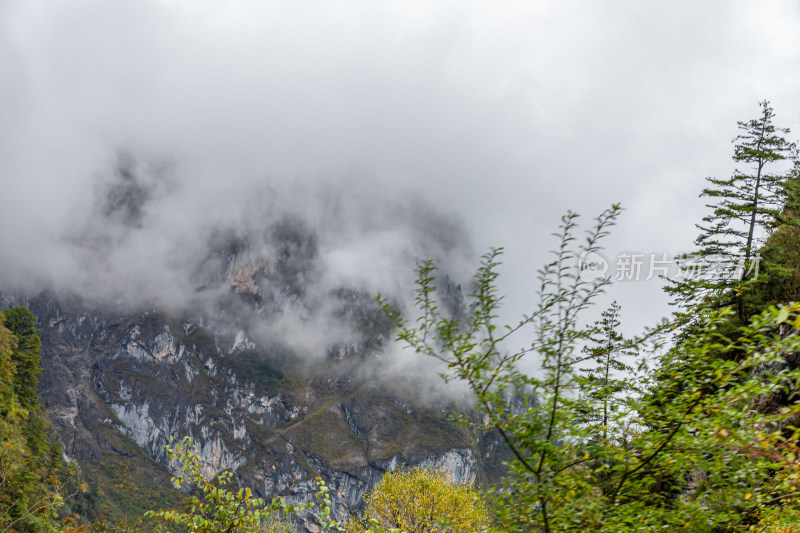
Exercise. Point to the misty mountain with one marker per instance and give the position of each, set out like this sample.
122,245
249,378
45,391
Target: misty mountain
258,337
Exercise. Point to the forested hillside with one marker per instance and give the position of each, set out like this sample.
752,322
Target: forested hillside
33,477
690,426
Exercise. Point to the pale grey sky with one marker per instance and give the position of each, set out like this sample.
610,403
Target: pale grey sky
504,114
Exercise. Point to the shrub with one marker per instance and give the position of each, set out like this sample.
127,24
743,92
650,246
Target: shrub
422,501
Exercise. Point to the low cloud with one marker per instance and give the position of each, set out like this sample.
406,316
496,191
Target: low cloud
389,131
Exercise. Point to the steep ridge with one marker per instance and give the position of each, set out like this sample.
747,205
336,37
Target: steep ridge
119,382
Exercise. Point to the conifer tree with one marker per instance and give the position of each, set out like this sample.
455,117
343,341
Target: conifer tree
26,357
700,411
779,280
744,208
607,379
31,473
8,343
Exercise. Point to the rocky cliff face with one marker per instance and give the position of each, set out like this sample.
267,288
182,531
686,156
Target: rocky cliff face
224,371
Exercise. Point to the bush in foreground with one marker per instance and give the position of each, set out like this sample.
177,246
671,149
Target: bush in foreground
422,501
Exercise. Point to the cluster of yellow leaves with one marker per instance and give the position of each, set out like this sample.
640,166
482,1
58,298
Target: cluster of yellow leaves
421,501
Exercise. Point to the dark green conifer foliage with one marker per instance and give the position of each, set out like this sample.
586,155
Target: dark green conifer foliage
26,357
779,280
744,209
8,343
605,382
693,450
31,469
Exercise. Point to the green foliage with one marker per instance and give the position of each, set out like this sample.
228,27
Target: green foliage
101,525
779,279
8,343
277,524
121,487
26,356
215,509
606,382
325,520
422,501
474,350
744,208
693,445
212,508
32,475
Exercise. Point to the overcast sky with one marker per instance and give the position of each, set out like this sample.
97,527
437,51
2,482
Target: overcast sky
502,114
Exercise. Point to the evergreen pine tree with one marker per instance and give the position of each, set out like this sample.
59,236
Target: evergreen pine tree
606,378
744,209
779,281
30,457
8,343
26,357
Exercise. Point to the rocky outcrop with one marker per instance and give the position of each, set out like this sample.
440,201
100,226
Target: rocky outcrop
124,381
276,425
